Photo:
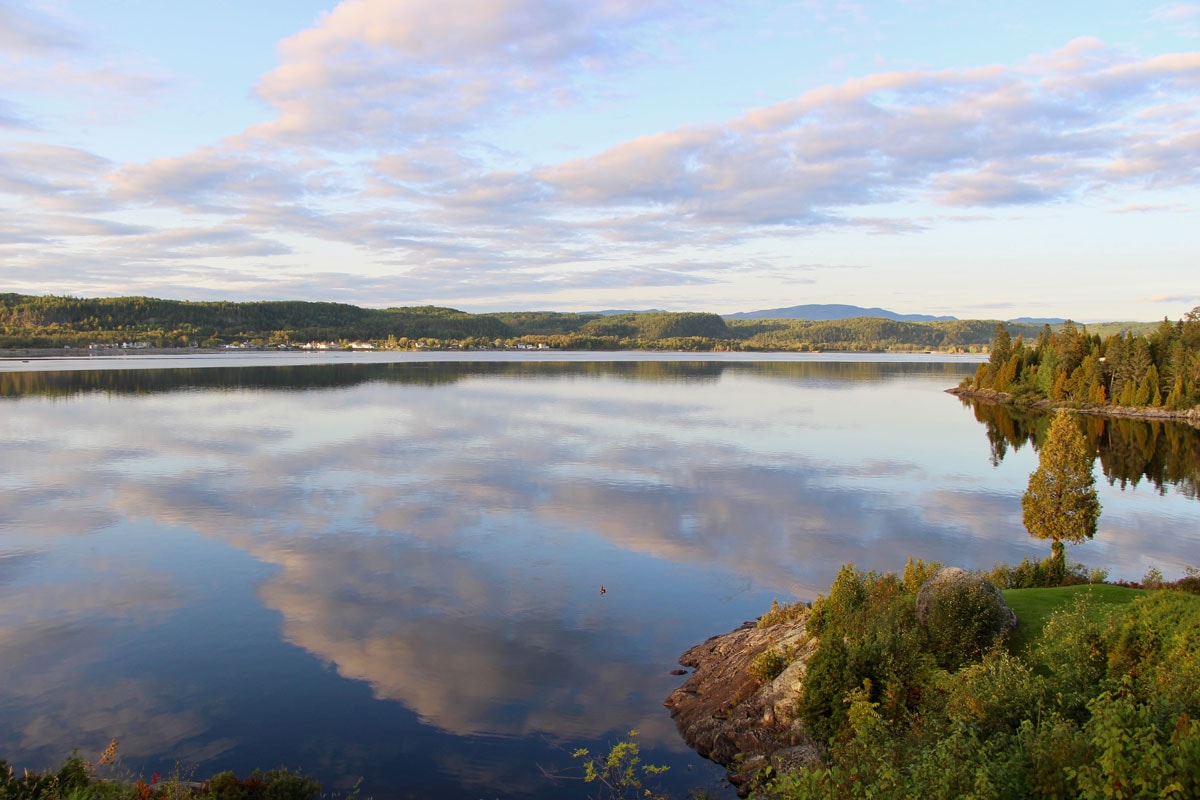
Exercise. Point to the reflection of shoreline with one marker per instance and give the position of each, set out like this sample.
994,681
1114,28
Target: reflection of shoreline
1190,416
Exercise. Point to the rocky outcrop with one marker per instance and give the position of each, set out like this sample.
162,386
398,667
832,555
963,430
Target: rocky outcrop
730,717
951,583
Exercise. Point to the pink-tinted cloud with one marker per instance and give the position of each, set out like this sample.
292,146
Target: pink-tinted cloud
381,73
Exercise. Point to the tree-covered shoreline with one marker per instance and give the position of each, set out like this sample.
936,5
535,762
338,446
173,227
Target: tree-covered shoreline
53,322
1155,375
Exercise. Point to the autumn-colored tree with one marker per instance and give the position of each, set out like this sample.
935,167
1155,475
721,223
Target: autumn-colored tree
1061,503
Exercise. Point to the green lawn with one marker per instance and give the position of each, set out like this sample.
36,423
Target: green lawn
1034,606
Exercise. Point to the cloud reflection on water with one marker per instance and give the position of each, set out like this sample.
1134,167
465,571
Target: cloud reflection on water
444,542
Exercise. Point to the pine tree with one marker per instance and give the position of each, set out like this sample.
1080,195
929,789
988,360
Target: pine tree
1176,399
1000,351
1061,503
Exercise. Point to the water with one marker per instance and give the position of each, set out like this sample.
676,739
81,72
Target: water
389,566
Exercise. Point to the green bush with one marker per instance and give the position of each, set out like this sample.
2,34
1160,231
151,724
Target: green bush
276,784
76,780
869,633
72,777
846,597
1072,656
781,614
826,681
1042,575
994,695
1105,702
768,665
1133,755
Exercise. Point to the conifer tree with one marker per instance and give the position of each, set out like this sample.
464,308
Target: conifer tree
1000,351
1061,503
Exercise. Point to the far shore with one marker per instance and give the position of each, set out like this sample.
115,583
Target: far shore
26,353
84,352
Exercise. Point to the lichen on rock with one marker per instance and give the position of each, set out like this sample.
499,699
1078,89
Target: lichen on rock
963,614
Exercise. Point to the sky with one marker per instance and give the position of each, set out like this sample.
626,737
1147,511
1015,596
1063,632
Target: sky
974,159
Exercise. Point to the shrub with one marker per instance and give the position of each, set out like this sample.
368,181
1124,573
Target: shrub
994,695
1042,575
1134,756
917,572
781,614
71,778
621,772
869,633
276,784
1072,654
846,597
1156,643
1190,584
768,665
827,679
1105,704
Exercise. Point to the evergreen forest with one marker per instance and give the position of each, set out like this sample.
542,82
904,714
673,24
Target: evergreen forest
1070,367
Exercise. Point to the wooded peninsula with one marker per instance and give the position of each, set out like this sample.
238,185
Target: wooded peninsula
43,322
1122,372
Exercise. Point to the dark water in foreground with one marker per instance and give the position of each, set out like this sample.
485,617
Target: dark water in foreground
392,570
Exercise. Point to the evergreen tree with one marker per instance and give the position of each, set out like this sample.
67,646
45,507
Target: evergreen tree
1061,503
1070,346
1000,351
1150,388
1177,399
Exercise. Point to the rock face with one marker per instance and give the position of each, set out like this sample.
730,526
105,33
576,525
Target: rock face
950,581
728,716
963,614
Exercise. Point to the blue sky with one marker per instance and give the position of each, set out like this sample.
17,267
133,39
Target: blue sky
967,158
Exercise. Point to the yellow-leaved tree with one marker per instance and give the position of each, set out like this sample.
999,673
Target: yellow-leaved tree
1061,503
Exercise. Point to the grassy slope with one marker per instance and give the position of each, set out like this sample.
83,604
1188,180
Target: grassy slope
1034,606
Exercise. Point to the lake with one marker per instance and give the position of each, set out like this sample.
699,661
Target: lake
389,566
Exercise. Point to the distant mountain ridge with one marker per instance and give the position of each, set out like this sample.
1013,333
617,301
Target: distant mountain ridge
823,312
1040,320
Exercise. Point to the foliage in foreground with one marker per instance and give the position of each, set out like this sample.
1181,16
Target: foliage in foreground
621,772
77,779
1105,703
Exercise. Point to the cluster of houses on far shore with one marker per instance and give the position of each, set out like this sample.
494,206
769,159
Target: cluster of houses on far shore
419,345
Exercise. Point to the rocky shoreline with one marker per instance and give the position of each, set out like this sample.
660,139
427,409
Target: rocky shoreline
1190,416
730,713
730,717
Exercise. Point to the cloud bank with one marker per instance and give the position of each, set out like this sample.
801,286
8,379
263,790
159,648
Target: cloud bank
379,151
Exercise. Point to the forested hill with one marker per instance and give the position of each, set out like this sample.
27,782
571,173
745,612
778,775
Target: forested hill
28,321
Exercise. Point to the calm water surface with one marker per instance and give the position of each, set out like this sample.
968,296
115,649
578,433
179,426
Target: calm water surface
392,568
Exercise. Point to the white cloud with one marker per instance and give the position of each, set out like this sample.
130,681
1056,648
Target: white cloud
28,32
1179,11
380,73
43,55
379,147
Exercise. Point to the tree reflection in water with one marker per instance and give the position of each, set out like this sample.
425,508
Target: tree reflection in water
1162,452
